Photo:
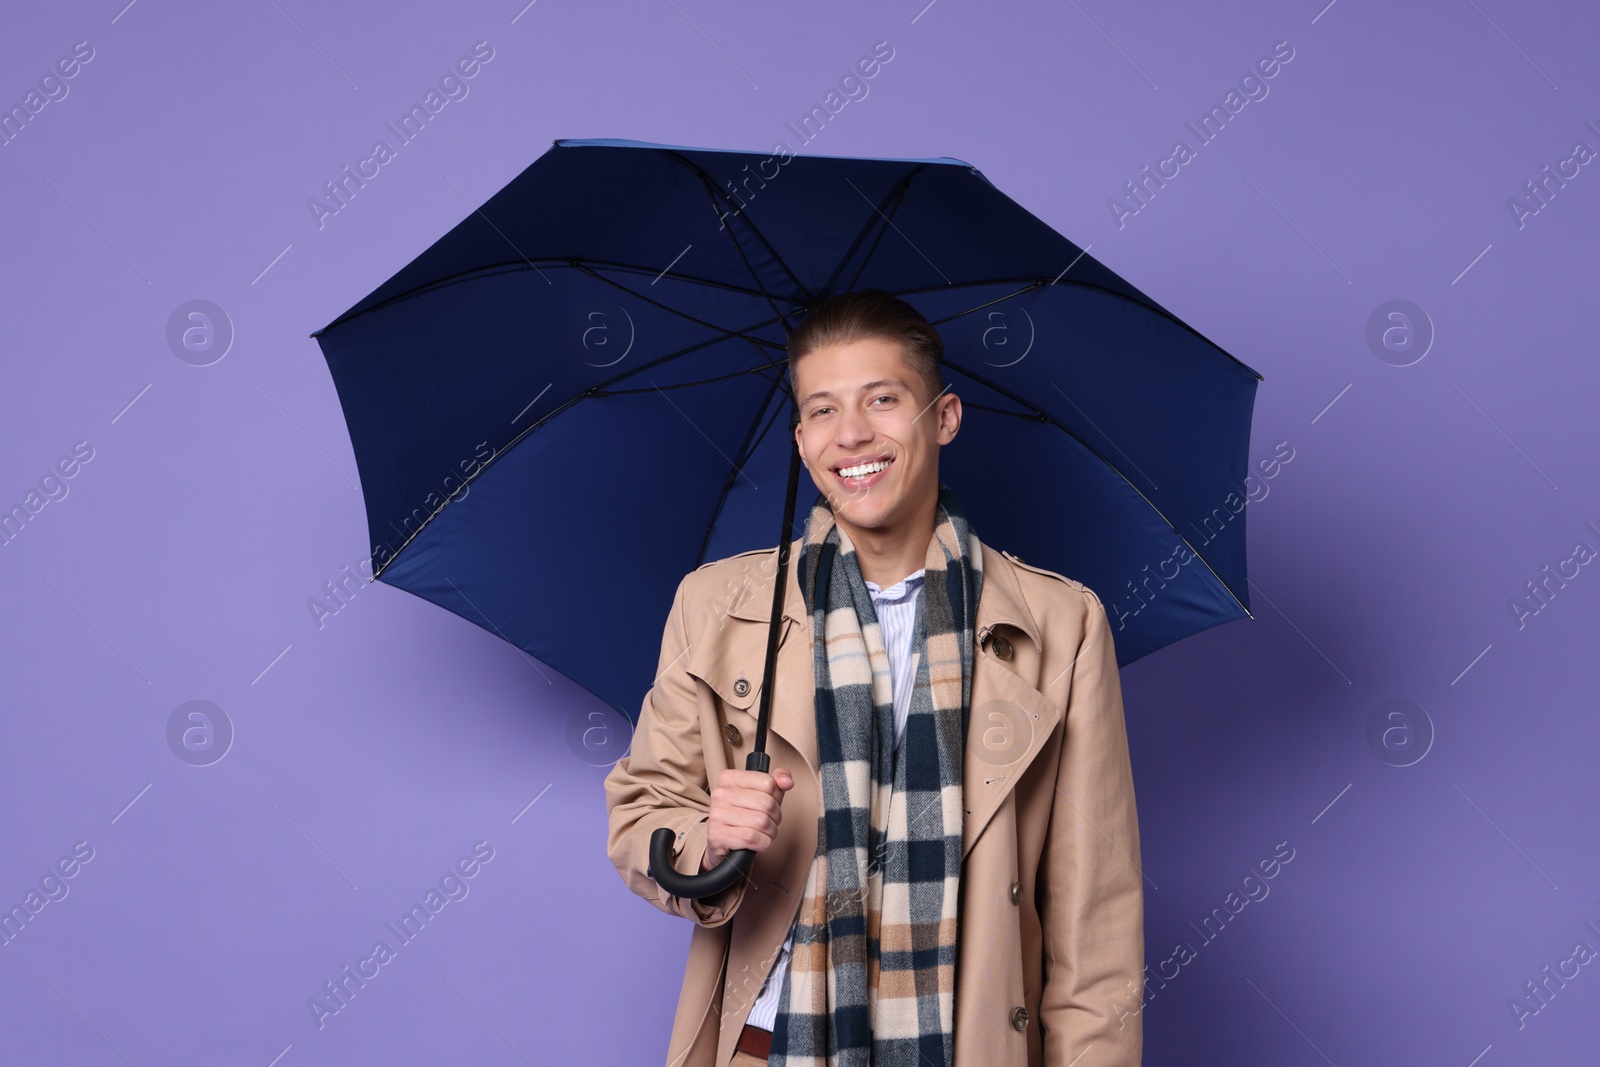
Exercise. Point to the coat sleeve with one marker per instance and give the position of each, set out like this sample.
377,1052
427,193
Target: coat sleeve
662,782
1093,891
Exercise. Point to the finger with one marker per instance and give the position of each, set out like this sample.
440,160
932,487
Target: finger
765,784
728,790
752,837
739,820
743,821
753,780
760,803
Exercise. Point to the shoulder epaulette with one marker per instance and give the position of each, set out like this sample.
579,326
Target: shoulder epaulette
1040,570
737,555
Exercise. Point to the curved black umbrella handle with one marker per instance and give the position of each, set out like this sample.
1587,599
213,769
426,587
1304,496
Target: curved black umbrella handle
708,883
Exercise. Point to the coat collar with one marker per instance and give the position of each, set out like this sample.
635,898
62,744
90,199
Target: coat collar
999,602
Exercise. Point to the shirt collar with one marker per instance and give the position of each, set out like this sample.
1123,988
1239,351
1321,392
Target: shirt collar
899,590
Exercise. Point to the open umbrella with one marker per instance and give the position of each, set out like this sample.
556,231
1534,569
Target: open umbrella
578,394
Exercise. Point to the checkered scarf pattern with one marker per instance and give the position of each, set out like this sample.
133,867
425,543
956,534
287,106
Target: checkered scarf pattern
871,979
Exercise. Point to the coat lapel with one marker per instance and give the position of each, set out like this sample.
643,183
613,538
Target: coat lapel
1009,719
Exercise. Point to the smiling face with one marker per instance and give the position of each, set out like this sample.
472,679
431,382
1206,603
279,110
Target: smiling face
870,439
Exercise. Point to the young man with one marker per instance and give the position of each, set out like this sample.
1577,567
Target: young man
947,849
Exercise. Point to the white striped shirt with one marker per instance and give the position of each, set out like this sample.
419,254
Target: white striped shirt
897,616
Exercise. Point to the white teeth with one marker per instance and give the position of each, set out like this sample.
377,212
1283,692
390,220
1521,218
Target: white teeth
864,469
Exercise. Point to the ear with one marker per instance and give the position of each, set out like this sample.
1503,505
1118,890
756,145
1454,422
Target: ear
949,417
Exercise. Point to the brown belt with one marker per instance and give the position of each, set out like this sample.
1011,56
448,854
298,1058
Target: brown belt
754,1040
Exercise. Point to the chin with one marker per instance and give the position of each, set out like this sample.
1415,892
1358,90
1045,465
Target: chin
867,518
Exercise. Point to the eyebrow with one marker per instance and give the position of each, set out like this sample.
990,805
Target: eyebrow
823,394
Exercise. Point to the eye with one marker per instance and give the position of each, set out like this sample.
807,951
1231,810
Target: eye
885,396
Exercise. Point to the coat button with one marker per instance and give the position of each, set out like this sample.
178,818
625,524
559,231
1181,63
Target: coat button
741,687
1016,892
731,732
1019,1019
1001,646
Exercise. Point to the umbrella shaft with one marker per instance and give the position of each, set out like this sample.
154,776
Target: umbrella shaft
779,585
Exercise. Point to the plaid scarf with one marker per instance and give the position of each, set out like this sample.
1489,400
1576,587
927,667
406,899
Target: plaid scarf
871,980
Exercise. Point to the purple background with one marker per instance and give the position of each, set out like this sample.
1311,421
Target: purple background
373,751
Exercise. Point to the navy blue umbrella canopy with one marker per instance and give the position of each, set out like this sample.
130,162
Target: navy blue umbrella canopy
577,395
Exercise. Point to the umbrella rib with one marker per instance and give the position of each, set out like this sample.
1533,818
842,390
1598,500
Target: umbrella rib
727,335
878,240
1036,284
684,385
725,331
965,404
655,272
898,194
713,192
745,259
1046,417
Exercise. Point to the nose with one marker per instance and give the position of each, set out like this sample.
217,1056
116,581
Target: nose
852,427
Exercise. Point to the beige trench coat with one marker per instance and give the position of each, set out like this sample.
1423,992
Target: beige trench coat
1051,951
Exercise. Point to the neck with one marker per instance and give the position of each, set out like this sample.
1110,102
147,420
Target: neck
886,556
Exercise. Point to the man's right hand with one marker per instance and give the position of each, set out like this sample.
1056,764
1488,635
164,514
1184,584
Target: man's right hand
745,812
